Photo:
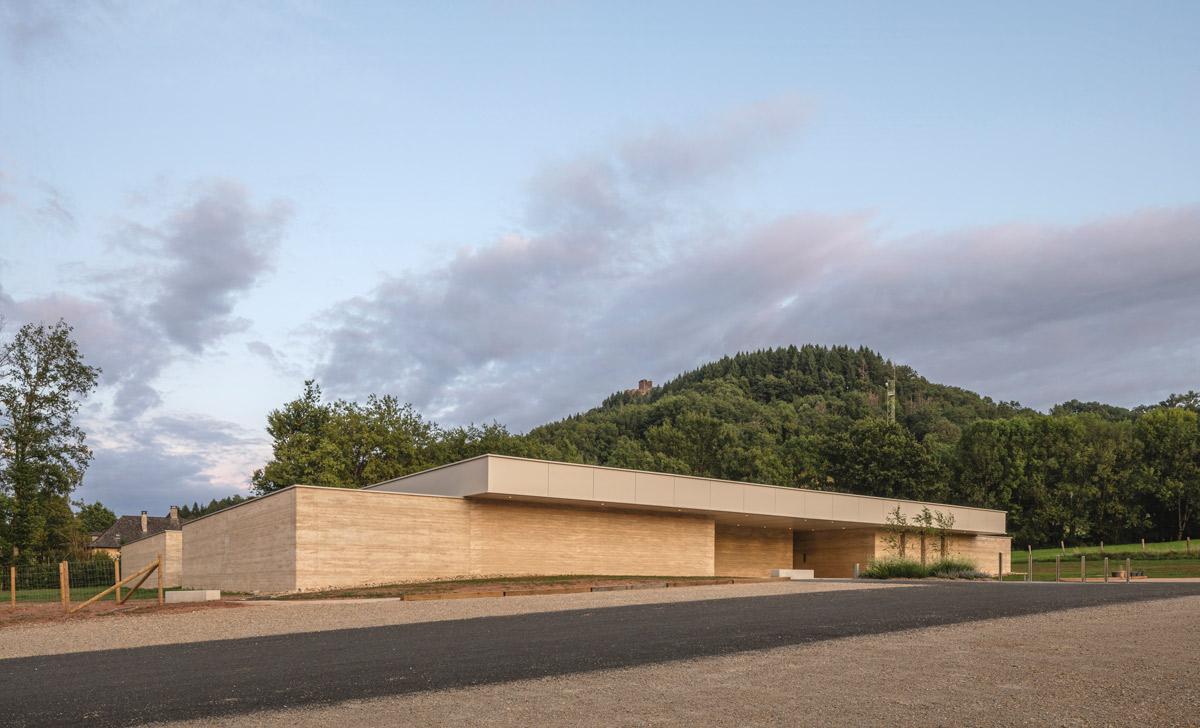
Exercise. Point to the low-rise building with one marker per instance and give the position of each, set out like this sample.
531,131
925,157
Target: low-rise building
132,528
506,516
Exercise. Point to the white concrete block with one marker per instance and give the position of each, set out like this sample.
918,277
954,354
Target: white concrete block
793,574
192,595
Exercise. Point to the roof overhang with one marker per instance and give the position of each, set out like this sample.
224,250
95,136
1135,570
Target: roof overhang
495,477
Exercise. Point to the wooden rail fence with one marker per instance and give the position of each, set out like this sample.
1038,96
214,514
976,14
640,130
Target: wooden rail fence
42,590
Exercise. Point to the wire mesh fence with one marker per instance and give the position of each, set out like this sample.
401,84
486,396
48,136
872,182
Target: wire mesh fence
84,579
1072,567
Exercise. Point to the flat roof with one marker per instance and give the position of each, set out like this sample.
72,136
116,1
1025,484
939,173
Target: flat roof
505,477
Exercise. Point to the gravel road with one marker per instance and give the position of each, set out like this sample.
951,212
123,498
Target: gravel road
236,679
1122,665
286,617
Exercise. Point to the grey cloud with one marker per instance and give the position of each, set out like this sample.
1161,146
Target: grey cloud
128,351
277,360
171,460
32,26
56,210
209,251
201,431
192,267
607,286
671,157
145,478
1036,313
601,196
37,201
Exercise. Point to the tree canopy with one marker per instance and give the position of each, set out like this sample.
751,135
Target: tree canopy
43,453
94,517
811,417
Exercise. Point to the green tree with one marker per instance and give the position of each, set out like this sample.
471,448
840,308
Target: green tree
374,442
895,532
880,458
94,517
196,510
299,434
43,453
345,444
1170,442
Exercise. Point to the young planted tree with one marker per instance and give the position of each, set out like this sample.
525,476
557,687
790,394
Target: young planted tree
923,526
895,532
42,451
942,523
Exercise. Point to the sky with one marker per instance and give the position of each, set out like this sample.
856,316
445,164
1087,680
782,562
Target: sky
505,211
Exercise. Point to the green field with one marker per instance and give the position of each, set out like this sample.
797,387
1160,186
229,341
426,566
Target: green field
1161,560
1164,548
1152,568
78,594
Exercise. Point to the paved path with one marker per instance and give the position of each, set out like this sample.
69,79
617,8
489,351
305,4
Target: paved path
131,686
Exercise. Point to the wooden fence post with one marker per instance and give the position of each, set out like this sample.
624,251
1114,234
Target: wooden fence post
140,576
117,576
12,585
1029,568
1057,567
1083,568
1105,569
64,584
160,581
1000,566
1128,570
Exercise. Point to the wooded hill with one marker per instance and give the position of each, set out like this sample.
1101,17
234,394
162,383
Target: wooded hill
811,417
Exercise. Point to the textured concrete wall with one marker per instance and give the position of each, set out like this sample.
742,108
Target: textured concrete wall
137,554
250,547
312,538
524,538
751,550
355,537
982,550
833,553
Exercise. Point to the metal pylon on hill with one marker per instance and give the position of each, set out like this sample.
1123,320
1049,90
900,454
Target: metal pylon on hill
891,396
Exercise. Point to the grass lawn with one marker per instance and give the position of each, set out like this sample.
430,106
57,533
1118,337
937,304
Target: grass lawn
492,584
1152,568
78,594
1132,549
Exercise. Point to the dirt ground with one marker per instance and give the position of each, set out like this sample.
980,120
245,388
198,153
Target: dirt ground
1131,664
501,585
49,613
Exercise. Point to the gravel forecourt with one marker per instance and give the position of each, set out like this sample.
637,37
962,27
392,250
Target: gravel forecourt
1126,664
262,618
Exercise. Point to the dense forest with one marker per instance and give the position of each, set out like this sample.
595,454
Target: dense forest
812,417
195,510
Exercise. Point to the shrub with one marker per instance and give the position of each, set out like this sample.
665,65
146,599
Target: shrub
952,567
895,568
955,567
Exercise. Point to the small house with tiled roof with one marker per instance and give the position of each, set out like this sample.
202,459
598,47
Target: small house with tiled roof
133,528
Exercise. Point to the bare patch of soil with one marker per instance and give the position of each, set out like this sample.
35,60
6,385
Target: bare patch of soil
501,586
51,612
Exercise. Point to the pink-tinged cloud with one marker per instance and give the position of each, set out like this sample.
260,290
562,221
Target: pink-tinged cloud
615,280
